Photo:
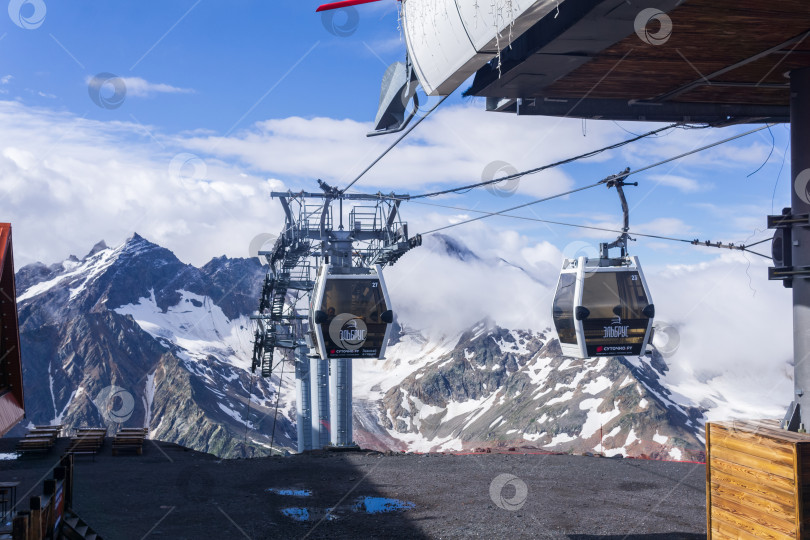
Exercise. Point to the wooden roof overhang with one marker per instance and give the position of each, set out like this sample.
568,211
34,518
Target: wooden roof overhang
724,62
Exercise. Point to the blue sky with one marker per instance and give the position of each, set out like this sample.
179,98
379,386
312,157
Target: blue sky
265,96
229,53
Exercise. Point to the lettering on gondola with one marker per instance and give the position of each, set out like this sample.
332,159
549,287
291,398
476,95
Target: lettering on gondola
348,331
353,335
616,331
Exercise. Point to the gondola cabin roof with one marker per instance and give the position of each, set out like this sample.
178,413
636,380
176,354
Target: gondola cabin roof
717,61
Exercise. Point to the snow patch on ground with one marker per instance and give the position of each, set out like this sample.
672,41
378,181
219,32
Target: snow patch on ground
235,415
532,437
560,439
631,438
198,326
595,418
148,398
561,399
597,386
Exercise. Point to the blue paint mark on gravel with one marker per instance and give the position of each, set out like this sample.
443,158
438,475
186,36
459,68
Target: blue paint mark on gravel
291,492
298,514
381,505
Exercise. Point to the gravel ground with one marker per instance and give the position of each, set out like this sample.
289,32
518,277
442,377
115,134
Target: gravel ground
172,492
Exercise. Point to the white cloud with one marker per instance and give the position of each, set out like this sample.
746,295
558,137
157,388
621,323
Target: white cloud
5,79
451,147
138,87
66,183
750,150
89,180
735,331
682,183
664,226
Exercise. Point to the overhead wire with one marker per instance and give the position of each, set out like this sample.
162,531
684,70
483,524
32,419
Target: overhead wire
501,212
541,168
393,144
767,159
696,242
603,181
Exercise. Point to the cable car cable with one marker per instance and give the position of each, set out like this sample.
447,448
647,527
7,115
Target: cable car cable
696,242
490,214
469,187
544,167
549,166
393,144
702,148
603,181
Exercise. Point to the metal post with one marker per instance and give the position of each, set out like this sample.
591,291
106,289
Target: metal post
303,400
800,202
319,381
340,392
340,370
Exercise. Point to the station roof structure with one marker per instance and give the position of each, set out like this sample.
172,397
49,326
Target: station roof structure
716,61
11,389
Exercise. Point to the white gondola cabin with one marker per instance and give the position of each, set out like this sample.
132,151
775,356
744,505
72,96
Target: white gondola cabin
602,307
350,315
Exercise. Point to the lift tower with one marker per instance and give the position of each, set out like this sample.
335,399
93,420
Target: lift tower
375,235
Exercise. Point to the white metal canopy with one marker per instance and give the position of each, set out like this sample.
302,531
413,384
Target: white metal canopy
449,40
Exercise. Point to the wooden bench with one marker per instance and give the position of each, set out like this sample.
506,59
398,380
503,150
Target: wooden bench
33,444
41,435
129,439
41,438
87,441
58,428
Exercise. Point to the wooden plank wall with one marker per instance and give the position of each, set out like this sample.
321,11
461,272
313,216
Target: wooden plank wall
755,477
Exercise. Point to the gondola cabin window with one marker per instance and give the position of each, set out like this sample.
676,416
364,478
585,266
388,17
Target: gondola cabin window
616,322
564,309
363,298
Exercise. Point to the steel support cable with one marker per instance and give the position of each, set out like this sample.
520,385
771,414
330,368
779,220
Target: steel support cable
702,148
469,187
383,154
396,142
502,212
720,245
623,175
541,168
545,167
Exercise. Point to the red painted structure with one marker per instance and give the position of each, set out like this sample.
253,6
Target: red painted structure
11,384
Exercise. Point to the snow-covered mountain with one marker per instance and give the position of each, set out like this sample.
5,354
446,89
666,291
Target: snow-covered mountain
496,387
132,335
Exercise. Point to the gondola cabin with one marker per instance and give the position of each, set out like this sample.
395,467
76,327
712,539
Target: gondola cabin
350,314
602,307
